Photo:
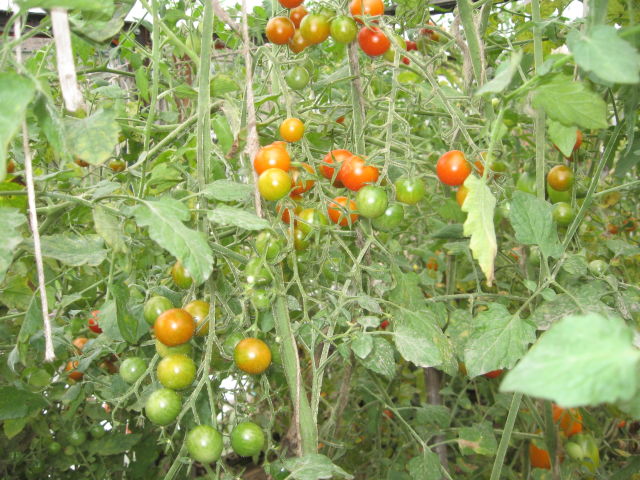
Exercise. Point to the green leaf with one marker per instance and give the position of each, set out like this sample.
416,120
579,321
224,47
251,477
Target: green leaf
601,51
93,139
498,340
109,228
381,359
532,221
90,5
478,439
570,103
629,159
425,466
16,92
50,122
237,217
164,218
480,205
562,136
221,84
362,345
114,443
582,360
13,426
10,236
101,29
504,74
142,82
73,250
18,403
223,132
420,340
407,292
314,466
433,415
227,191
575,265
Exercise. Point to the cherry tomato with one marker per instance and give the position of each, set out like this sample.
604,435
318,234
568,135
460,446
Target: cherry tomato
174,327
539,457
77,438
563,213
598,267
79,343
556,196
164,350
411,45
355,174
290,3
257,273
300,239
80,162
272,156
97,431
132,368
366,7
73,373
493,374
117,165
334,157
286,212
247,439
343,29
93,325
311,219
268,244
199,310
461,194
569,421
204,444
338,211
297,14
299,185
163,406
526,183
409,190
453,168
54,448
297,78
560,178
583,447
181,276
252,355
176,371
297,43
279,30
11,166
273,184
291,130
373,41
432,264
372,201
390,219
155,306
314,28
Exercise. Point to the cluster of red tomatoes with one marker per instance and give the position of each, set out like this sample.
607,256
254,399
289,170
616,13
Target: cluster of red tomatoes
302,29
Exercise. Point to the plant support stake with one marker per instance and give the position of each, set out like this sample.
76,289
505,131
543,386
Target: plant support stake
64,57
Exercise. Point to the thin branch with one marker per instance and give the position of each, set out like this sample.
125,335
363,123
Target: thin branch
224,16
73,100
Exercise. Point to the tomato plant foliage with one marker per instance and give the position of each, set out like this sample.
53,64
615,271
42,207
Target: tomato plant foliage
223,303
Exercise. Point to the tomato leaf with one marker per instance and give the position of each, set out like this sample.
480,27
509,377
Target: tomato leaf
504,74
142,82
164,218
238,217
16,92
480,205
314,466
532,221
114,443
10,236
582,360
51,124
227,191
362,345
425,467
570,103
106,26
562,136
497,340
602,52
223,132
13,426
381,359
90,5
478,439
18,403
73,250
109,228
93,138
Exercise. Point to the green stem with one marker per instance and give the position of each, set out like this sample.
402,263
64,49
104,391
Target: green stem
203,132
506,436
358,100
539,116
473,39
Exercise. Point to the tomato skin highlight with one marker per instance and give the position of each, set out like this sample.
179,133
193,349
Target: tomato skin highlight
273,184
373,41
453,168
279,30
336,211
174,327
291,130
163,406
271,156
247,439
204,444
252,355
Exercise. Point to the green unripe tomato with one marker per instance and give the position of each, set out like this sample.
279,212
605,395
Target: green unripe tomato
297,78
311,219
69,450
343,29
176,371
204,444
132,369
261,300
97,431
371,201
229,344
165,350
257,273
54,448
181,276
409,190
155,306
598,267
526,183
247,439
77,438
163,406
390,219
268,244
563,213
556,196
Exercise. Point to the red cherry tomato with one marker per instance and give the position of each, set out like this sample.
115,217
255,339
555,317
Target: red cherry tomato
337,211
373,41
93,325
272,156
569,421
334,157
290,3
493,373
453,168
411,45
299,185
279,30
355,174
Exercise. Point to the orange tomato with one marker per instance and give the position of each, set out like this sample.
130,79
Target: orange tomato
569,421
290,3
334,157
299,185
279,30
292,129
174,327
539,457
297,14
337,208
297,42
271,156
355,174
365,7
285,213
79,343
73,373
461,194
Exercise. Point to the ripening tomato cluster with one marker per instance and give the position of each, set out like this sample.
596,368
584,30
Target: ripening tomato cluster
302,29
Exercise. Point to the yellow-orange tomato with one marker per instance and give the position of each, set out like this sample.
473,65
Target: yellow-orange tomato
337,208
292,129
80,342
461,194
539,457
297,42
73,373
252,356
297,14
569,421
299,185
366,7
174,327
285,213
272,156
199,310
279,30
290,3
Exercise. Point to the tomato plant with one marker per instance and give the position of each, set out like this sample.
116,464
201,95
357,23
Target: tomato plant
390,219
560,178
539,457
181,276
300,185
297,77
366,7
311,219
274,184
